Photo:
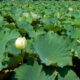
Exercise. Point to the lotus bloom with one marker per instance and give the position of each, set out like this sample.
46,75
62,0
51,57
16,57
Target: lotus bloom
70,9
20,43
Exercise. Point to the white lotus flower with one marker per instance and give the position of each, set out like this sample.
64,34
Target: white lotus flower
20,43
70,9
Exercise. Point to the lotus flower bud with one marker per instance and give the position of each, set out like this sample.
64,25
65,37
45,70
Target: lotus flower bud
20,43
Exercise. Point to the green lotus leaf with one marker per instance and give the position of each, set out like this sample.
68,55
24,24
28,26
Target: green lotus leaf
53,49
6,35
66,74
27,72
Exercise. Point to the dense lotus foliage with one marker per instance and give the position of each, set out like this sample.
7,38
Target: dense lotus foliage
39,40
